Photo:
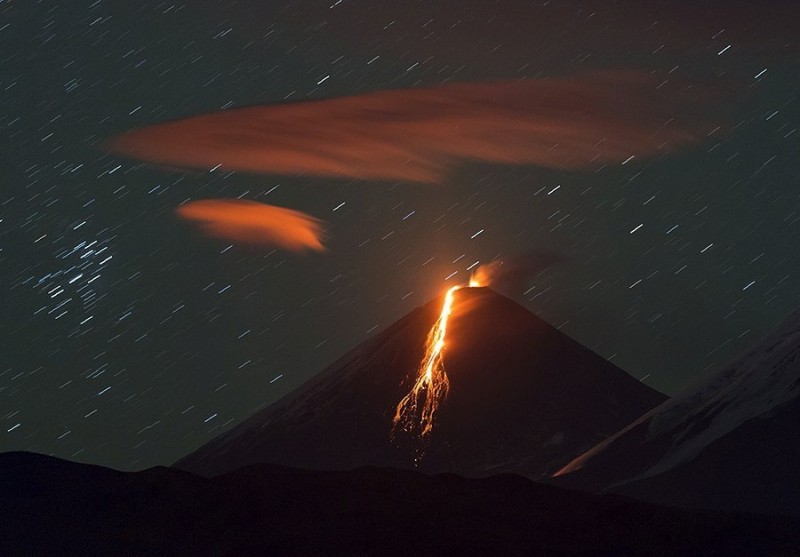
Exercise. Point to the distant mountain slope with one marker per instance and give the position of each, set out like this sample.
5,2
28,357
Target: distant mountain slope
523,398
53,507
727,442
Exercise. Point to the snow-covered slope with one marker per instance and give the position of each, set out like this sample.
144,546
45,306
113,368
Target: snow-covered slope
523,398
733,425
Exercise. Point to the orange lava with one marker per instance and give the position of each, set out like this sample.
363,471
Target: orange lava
416,413
254,223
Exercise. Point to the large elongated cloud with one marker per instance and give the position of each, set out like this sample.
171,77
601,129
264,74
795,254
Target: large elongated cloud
254,223
418,134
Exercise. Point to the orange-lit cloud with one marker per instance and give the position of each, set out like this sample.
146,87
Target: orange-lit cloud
418,134
254,223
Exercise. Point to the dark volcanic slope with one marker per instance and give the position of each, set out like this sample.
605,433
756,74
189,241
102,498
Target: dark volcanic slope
728,442
53,507
524,398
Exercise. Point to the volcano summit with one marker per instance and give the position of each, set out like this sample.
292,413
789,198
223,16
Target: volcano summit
522,398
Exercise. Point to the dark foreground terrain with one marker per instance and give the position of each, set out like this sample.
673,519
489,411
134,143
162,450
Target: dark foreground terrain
54,507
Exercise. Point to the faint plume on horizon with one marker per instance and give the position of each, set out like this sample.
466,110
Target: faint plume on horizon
512,275
419,135
254,223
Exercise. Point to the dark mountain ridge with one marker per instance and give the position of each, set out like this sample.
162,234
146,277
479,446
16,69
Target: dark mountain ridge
54,507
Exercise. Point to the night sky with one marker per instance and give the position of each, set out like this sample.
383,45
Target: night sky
129,338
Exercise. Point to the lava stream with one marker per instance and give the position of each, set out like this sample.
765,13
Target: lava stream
416,413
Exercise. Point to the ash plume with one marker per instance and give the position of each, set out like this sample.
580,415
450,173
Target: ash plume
512,275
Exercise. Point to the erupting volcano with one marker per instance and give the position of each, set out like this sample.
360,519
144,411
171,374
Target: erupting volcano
522,397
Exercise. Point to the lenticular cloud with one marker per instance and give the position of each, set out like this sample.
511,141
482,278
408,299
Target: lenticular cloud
254,223
418,135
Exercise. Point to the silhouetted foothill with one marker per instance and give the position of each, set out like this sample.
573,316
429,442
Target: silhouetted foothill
66,508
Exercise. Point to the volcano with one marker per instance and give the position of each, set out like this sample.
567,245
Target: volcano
523,398
725,443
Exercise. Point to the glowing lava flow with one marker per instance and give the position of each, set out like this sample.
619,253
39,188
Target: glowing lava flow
416,413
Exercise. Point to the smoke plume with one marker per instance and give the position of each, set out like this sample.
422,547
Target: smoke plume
512,275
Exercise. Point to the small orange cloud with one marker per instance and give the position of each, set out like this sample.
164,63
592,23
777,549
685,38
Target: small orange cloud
573,122
254,223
